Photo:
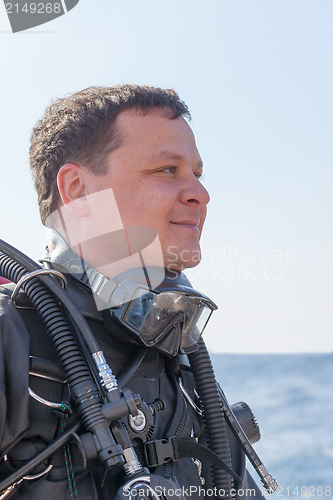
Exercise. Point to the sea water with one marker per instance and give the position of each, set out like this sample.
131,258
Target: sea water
291,396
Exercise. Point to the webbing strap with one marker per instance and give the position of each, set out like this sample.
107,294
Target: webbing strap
161,451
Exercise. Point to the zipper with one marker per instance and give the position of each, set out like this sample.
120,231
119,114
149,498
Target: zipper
168,467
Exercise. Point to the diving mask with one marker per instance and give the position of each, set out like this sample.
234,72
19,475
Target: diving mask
170,317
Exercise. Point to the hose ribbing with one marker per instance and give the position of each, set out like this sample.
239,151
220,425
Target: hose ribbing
215,424
83,389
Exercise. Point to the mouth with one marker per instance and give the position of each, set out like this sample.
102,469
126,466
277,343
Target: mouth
187,224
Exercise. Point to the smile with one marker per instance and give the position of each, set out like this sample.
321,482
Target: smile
187,225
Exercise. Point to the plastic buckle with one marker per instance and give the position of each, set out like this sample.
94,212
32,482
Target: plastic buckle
160,451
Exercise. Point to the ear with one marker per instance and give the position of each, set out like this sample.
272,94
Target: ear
72,189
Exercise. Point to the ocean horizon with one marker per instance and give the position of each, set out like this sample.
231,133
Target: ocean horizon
291,396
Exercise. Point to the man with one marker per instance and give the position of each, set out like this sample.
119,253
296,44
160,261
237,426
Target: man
117,173
148,157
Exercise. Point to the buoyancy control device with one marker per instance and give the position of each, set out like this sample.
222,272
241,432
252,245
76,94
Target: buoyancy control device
101,403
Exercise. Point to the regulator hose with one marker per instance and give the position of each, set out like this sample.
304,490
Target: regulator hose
215,424
29,265
13,266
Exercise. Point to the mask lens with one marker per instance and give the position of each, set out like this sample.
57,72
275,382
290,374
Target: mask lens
150,314
138,309
196,319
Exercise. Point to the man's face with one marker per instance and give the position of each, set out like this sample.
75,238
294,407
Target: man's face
154,174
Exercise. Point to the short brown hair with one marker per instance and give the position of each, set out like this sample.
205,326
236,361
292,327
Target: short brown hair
80,129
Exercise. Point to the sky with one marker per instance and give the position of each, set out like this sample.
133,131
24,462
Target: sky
258,79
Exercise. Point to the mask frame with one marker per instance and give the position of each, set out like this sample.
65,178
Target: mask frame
171,318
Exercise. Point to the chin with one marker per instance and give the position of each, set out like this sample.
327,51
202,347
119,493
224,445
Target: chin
179,259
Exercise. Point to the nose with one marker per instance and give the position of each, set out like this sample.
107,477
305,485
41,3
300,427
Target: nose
194,193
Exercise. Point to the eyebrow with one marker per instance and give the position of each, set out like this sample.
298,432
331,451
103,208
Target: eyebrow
168,155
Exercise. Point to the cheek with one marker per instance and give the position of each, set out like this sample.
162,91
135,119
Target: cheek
143,208
145,205
155,199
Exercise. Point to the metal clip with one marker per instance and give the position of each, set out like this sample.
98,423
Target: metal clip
43,401
32,275
188,397
4,494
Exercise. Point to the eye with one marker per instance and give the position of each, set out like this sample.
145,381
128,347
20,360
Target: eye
168,170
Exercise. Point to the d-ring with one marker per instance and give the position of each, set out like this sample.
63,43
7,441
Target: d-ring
4,494
44,401
32,275
37,476
188,397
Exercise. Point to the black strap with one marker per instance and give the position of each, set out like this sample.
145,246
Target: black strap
161,451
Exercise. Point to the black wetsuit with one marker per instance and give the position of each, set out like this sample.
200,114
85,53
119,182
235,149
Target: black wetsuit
27,426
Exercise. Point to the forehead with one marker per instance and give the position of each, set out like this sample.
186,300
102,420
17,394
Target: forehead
155,133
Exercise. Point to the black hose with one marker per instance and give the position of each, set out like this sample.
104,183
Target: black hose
73,311
69,354
13,266
215,424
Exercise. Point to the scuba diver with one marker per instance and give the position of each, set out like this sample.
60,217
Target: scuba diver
107,390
